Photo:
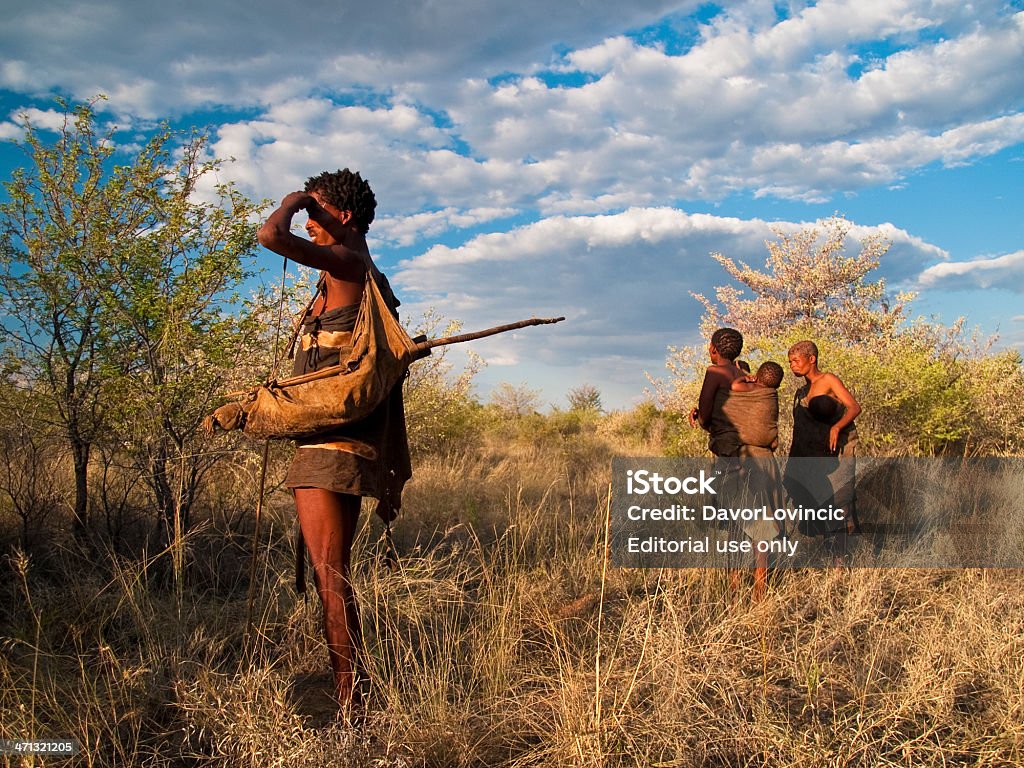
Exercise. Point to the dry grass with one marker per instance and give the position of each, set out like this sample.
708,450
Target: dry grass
504,639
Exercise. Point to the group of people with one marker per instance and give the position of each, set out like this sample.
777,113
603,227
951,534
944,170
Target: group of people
739,410
331,473
823,408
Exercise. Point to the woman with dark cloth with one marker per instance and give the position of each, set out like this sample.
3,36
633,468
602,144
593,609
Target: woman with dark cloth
823,428
331,472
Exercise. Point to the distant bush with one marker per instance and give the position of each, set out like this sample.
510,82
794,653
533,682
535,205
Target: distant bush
439,405
585,397
515,401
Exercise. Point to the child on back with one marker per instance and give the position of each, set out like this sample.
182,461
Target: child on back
769,376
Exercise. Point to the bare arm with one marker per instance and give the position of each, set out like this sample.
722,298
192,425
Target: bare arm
714,378
853,409
339,260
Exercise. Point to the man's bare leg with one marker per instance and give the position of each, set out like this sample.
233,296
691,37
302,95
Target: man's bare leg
760,576
328,522
760,589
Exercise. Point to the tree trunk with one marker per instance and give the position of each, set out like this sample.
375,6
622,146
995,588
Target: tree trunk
80,450
163,494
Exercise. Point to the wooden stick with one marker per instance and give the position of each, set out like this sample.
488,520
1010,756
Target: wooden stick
423,347
421,350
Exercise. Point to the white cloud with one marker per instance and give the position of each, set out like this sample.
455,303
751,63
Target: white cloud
841,95
164,57
598,271
815,172
1006,271
301,137
406,230
414,165
45,119
622,281
772,108
425,186
776,109
502,360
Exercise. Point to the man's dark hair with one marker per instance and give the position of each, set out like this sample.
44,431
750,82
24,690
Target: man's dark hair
347,191
770,374
728,342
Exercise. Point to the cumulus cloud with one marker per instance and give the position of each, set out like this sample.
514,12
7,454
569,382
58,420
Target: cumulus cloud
771,107
297,138
462,116
841,95
815,172
45,119
158,58
1006,271
424,186
406,230
623,281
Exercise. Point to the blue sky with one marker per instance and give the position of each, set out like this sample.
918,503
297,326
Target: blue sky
583,159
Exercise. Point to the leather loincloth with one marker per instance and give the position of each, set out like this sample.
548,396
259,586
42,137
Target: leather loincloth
369,457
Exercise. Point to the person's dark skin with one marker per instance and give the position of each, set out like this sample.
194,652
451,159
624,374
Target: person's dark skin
822,383
720,374
335,245
328,519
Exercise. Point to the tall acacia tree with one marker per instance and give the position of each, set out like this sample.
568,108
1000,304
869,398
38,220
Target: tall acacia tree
116,281
65,219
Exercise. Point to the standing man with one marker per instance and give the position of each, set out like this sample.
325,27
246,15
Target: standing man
332,472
